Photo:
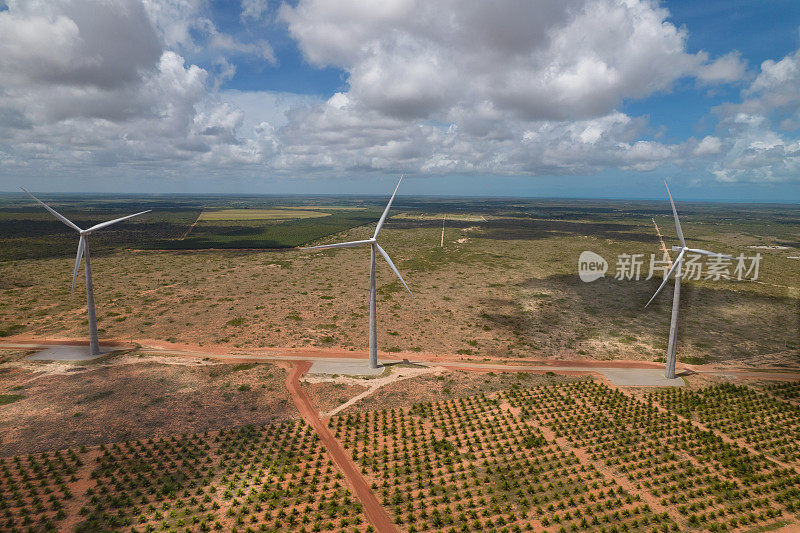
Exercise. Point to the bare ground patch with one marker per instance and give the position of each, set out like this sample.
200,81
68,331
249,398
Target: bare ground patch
447,385
136,397
327,396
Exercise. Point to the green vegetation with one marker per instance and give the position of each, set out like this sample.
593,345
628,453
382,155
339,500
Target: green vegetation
459,217
236,322
488,469
6,399
13,329
259,214
788,390
27,231
257,234
768,425
269,478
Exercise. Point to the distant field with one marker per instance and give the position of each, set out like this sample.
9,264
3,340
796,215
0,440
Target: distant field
260,214
176,222
276,233
333,207
463,217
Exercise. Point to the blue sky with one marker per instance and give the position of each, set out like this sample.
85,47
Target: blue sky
568,98
758,30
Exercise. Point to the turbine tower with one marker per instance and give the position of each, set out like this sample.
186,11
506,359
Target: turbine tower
374,246
676,295
83,251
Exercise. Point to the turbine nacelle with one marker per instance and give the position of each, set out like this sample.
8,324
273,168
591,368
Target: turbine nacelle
372,241
682,249
699,251
84,233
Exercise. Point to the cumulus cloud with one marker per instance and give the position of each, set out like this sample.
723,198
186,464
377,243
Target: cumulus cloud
760,142
458,86
725,69
501,87
176,19
343,135
92,83
755,152
105,45
709,145
552,60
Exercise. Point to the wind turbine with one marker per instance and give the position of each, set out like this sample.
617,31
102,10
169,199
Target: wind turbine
373,243
83,250
676,295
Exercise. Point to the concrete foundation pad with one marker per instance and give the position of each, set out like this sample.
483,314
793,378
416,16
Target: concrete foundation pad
640,377
345,367
69,353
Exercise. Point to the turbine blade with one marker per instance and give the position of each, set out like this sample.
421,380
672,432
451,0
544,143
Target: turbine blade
59,216
386,211
666,278
108,223
386,256
337,245
77,265
675,214
707,252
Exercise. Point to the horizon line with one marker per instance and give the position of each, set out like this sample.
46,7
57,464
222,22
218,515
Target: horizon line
450,196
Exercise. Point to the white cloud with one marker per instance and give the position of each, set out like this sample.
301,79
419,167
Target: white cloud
87,84
756,153
253,10
710,145
502,87
554,59
75,44
458,86
725,69
759,133
776,74
343,136
227,43
265,106
186,27
175,20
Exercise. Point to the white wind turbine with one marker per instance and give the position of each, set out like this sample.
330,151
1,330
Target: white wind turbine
83,250
676,295
373,326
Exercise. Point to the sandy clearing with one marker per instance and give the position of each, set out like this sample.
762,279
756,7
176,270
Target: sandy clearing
397,374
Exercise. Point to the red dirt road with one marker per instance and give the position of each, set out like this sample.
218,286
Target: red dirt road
579,366
376,514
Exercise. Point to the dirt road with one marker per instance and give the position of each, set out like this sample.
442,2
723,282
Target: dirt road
572,366
376,514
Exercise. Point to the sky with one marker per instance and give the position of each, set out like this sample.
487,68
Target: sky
559,98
